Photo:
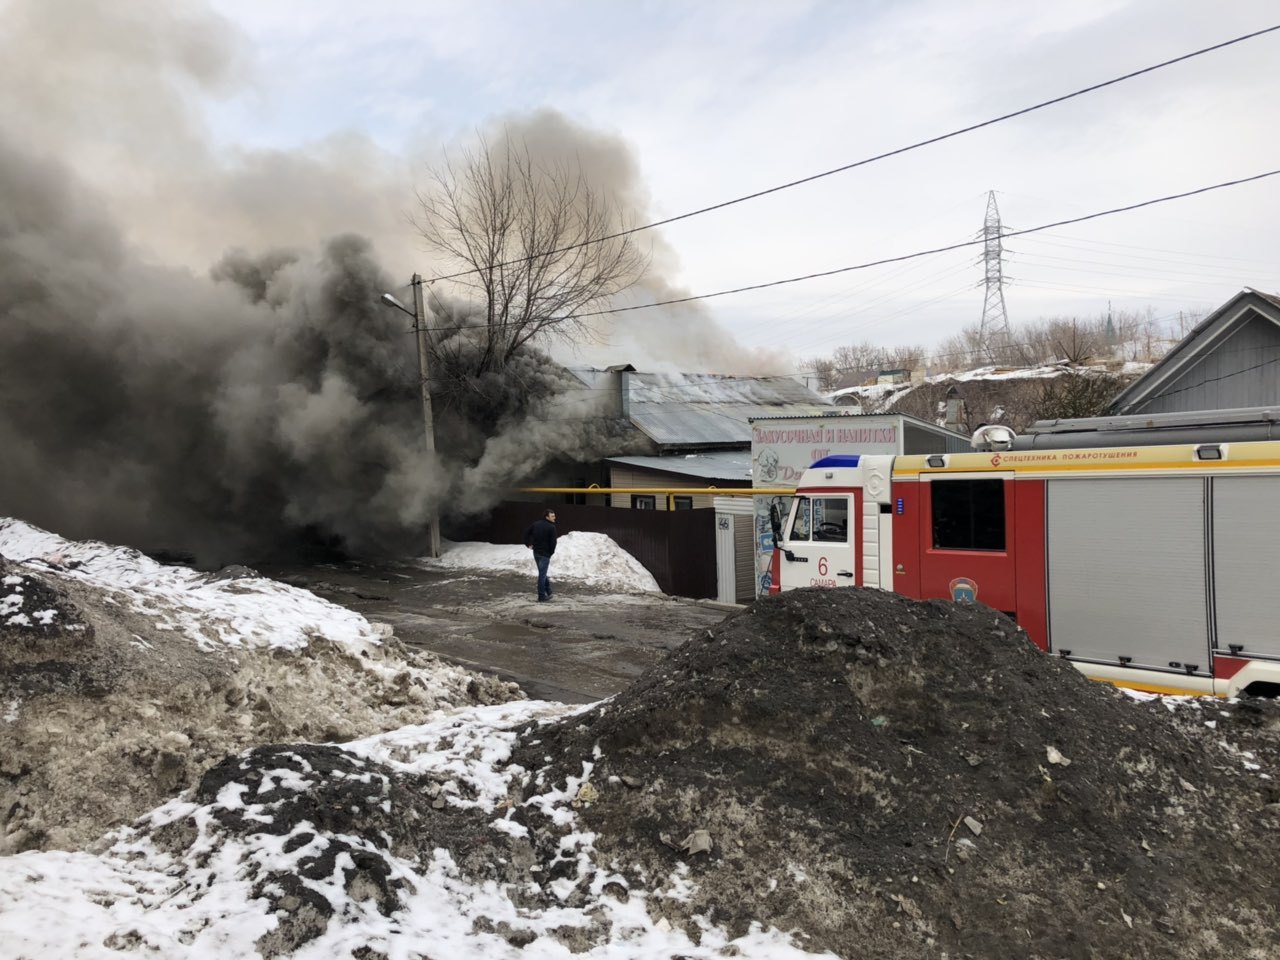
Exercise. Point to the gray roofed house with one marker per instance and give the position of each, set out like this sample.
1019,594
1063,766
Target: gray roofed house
684,412
716,467
694,430
1229,361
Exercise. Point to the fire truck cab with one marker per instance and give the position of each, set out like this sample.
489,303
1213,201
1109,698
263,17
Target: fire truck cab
1150,567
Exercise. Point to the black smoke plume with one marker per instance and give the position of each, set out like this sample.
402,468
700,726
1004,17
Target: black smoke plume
234,411
219,415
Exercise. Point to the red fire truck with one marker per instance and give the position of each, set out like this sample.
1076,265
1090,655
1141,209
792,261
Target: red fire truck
1153,567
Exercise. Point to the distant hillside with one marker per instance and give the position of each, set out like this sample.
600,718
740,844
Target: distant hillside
1014,396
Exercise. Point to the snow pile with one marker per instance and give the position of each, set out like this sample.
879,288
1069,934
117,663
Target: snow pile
591,558
245,611
122,681
411,844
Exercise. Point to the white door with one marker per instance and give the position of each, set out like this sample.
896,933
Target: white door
817,545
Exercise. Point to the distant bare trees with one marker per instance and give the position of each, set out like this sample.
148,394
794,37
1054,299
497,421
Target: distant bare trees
1123,335
528,235
863,359
1077,342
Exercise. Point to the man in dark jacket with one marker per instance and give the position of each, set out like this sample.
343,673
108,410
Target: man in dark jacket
541,539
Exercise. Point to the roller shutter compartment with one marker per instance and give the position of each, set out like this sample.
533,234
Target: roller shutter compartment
1127,572
1246,563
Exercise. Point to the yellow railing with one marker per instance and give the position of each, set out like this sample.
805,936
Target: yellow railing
670,492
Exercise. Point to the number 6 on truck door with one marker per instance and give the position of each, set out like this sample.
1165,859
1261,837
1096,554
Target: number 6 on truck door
818,550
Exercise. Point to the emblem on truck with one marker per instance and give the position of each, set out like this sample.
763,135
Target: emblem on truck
963,590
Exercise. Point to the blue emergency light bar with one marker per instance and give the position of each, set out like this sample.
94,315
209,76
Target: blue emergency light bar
838,460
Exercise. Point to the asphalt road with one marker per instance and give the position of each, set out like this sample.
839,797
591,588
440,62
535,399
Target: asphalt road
584,645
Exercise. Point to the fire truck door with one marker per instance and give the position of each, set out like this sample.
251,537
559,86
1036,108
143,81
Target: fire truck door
818,544
967,543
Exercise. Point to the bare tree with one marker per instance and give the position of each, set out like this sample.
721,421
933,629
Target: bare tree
529,235
960,351
904,357
1073,340
1075,395
864,359
826,373
856,357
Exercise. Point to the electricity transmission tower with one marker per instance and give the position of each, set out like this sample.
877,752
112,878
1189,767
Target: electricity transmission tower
995,319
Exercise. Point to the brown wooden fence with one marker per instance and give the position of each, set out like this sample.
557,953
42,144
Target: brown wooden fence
678,547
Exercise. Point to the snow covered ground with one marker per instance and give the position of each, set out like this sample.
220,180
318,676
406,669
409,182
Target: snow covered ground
123,680
591,558
212,613
258,862
143,897
880,397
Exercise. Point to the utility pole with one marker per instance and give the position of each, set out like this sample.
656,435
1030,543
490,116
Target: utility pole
419,314
995,318
424,388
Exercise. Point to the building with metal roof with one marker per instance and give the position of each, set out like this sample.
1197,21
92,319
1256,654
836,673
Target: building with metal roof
716,467
688,412
1231,360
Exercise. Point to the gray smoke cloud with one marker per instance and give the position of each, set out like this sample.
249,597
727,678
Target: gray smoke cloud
149,405
682,338
193,355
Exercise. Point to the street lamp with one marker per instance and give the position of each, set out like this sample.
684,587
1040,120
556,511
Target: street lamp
428,428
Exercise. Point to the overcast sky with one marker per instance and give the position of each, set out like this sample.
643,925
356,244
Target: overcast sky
717,99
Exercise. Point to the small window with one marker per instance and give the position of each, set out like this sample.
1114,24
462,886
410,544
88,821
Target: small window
799,521
643,501
831,519
968,514
684,503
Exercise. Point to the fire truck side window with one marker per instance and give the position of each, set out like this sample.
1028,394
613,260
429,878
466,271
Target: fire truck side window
800,522
831,519
968,514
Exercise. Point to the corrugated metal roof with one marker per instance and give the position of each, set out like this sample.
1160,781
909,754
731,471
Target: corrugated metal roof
699,425
843,414
715,465
690,411
1158,421
703,410
714,388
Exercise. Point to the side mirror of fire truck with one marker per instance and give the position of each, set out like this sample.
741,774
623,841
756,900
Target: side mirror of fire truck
775,521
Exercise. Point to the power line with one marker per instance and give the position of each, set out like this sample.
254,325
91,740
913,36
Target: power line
460,327
1032,283
881,156
1169,274
813,313
921,253
1199,259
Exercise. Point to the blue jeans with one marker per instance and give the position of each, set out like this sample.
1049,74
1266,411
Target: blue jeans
544,582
